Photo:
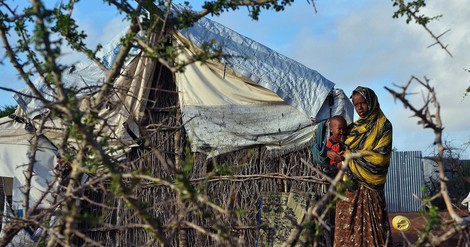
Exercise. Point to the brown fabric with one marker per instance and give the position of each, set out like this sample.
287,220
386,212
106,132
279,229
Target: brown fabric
363,219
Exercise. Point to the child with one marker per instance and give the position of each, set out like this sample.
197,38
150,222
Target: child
337,136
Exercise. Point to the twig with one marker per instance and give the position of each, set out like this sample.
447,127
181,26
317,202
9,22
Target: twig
434,122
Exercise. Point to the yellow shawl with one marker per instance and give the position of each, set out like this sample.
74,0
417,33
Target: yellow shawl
371,136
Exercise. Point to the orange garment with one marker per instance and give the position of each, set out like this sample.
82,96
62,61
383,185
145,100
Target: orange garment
334,145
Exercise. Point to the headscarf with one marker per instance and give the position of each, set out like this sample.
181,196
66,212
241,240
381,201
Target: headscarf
371,136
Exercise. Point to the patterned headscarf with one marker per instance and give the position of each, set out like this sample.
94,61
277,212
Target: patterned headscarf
372,136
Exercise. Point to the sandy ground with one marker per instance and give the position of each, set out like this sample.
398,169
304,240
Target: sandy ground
418,222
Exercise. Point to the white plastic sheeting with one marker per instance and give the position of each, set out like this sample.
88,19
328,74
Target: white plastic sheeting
256,96
84,75
15,153
224,111
299,86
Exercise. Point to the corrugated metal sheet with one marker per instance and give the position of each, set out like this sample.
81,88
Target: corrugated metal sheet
405,178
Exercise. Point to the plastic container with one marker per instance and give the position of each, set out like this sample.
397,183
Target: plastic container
401,223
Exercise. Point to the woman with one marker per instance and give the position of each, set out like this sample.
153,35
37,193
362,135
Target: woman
362,219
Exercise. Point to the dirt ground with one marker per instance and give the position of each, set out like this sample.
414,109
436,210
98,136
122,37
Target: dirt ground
417,223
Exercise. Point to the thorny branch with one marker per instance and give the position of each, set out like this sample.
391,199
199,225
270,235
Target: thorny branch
411,10
429,116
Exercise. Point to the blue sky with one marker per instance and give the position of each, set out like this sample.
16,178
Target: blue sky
351,43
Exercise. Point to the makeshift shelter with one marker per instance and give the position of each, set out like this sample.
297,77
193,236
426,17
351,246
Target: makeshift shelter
256,107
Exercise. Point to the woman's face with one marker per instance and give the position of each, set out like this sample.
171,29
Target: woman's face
360,104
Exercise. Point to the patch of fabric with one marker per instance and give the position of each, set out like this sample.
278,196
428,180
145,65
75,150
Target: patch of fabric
280,213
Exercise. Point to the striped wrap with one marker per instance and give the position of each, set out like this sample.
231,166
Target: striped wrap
371,136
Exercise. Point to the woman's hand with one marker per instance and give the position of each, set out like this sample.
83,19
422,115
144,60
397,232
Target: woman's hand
334,156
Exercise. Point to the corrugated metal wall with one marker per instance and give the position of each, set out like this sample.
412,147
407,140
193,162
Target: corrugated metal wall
405,178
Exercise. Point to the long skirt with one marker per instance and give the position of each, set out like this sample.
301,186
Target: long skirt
362,220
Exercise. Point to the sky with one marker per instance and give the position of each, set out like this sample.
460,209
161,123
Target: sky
351,43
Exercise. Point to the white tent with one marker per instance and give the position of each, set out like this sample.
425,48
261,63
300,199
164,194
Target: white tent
254,97
16,147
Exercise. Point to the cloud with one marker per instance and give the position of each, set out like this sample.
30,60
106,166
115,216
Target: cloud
98,32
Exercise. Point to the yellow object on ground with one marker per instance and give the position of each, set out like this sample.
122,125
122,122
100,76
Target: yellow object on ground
401,223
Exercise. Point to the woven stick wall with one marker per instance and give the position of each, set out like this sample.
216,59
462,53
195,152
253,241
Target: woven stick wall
253,174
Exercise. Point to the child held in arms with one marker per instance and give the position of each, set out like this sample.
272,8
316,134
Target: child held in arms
337,136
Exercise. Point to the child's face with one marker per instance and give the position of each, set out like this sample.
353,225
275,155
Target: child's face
338,130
